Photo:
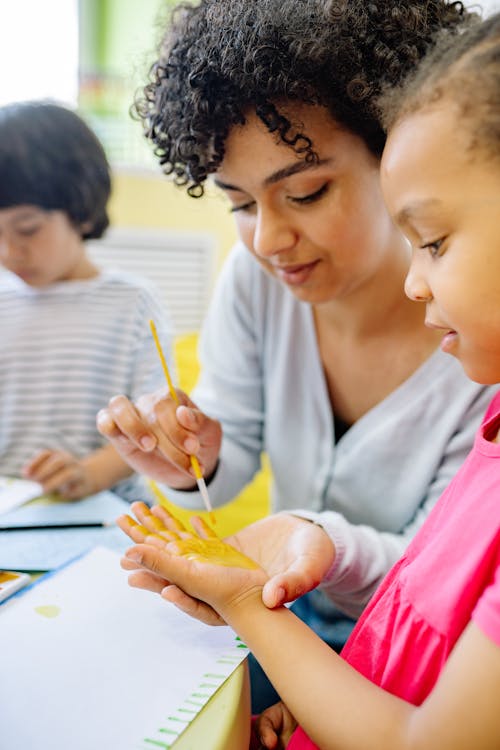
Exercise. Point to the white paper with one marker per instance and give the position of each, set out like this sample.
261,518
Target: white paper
115,668
14,492
99,508
47,550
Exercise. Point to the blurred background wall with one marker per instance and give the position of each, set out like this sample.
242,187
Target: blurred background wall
117,43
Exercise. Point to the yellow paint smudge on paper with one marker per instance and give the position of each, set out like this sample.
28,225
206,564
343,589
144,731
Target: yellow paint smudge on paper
48,610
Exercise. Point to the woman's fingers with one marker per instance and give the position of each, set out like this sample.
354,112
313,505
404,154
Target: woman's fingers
121,418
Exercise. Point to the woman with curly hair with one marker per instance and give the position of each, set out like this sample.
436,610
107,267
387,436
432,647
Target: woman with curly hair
311,352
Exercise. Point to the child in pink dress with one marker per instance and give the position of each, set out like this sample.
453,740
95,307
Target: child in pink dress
422,668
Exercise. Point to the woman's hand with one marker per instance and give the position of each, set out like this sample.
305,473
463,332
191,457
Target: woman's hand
295,554
61,472
199,563
273,728
155,436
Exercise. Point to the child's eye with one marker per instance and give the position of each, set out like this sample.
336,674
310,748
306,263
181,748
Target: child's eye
312,197
435,248
27,231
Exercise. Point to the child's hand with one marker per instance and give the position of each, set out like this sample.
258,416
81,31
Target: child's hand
295,554
59,471
156,437
273,728
200,564
159,521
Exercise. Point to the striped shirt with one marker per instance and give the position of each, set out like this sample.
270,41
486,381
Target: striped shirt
66,349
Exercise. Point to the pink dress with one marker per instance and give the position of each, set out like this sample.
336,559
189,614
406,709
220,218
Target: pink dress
449,575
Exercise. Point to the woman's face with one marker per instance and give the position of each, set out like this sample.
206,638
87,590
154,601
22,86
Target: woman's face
322,229
446,198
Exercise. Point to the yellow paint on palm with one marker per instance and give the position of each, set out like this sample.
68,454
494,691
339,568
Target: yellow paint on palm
162,533
214,551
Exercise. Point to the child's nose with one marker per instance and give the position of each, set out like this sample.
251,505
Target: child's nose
9,250
273,234
416,286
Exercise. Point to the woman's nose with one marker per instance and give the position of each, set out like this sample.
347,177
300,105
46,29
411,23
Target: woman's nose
273,234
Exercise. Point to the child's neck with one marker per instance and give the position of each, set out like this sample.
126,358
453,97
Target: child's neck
85,269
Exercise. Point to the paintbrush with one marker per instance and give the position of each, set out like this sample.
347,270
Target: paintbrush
202,486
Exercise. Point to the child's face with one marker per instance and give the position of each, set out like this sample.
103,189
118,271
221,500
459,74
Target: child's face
41,247
448,205
321,229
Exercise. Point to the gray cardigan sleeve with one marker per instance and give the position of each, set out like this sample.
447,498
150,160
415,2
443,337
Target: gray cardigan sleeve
230,384
365,554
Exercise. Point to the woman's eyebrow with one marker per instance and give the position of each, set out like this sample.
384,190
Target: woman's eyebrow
281,174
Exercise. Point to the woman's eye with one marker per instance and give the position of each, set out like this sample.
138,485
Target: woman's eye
243,207
312,197
434,248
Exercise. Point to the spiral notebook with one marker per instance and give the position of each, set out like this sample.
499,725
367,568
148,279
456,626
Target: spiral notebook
88,662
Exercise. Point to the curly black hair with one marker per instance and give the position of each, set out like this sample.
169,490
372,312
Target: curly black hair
50,158
220,59
463,70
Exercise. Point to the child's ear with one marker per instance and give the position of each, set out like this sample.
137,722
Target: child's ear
85,228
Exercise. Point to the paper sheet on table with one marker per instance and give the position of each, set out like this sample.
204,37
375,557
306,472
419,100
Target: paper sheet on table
96,664
46,550
51,548
14,492
100,508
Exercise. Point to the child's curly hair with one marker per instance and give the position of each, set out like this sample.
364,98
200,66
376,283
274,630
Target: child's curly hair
220,59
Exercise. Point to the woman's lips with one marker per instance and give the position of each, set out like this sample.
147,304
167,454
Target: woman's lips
297,274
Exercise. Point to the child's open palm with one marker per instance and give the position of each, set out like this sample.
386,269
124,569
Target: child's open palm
198,562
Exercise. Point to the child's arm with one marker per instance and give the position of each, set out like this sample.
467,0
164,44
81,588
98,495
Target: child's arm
336,706
74,478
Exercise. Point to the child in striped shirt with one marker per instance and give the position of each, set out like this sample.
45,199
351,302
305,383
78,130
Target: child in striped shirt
72,335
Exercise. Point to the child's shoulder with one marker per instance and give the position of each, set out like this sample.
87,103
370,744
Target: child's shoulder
127,282
127,289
